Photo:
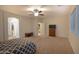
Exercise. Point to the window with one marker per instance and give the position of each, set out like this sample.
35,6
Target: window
78,25
72,21
77,20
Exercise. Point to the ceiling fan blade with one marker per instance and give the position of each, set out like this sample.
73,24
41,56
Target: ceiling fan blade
30,14
40,11
41,14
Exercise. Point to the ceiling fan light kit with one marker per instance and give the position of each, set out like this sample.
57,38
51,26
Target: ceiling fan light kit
36,14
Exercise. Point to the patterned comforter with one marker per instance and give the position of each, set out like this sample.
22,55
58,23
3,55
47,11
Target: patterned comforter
17,46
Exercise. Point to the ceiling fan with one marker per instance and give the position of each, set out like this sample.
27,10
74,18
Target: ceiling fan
37,12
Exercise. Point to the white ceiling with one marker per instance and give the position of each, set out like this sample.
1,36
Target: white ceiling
49,9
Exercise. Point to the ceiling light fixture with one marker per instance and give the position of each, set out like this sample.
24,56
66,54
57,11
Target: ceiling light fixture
36,14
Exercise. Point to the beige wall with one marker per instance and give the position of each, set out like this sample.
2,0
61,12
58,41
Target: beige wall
1,26
25,24
35,21
29,24
61,22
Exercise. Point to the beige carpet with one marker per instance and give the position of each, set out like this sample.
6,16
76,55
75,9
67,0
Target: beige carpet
52,45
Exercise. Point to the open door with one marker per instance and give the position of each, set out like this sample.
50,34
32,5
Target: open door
13,28
41,29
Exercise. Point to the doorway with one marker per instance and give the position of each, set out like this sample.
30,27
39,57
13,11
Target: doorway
52,30
41,29
13,28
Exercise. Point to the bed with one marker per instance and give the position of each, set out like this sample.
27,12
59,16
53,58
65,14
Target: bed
17,46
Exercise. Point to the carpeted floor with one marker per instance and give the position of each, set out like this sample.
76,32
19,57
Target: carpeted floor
44,45
52,45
